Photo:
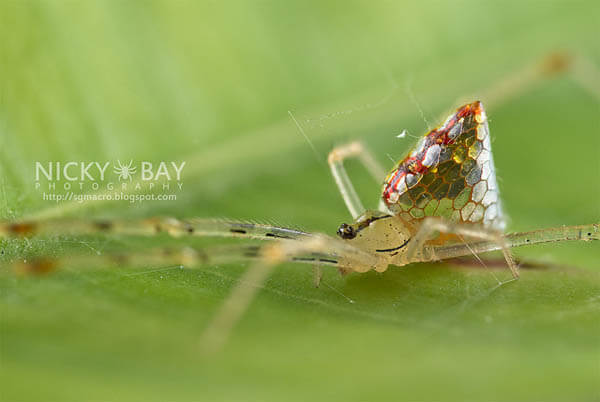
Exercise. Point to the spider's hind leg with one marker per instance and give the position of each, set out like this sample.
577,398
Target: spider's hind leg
432,225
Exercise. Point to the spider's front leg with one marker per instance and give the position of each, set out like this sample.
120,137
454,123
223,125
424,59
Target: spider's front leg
336,163
348,258
433,224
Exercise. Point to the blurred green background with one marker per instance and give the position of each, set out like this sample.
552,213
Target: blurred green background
211,83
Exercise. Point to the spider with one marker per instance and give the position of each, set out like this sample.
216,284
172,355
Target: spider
443,192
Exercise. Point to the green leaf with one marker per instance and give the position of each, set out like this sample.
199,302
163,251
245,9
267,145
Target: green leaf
211,84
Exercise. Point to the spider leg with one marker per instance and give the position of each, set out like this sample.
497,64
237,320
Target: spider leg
336,163
548,235
317,274
577,67
165,256
272,254
316,249
418,251
150,227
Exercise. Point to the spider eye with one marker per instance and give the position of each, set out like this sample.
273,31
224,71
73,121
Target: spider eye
346,231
